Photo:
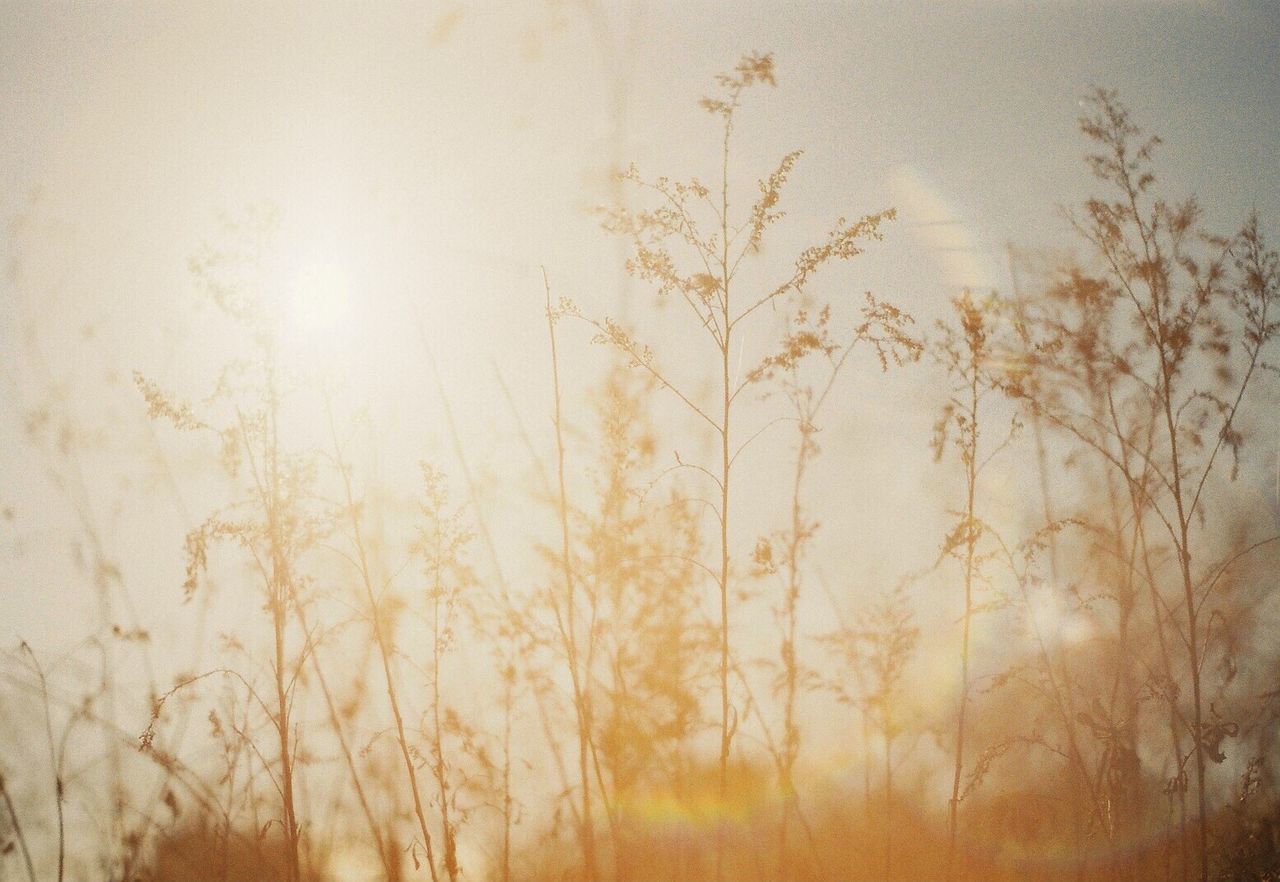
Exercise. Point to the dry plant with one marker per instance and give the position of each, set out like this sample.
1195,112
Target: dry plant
441,544
70,436
968,354
1184,319
810,338
876,651
700,262
270,522
550,707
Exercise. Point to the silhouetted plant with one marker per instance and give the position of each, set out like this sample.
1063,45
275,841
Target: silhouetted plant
667,237
441,544
550,708
270,522
876,651
970,356
783,553
1179,336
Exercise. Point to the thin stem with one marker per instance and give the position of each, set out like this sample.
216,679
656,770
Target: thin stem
335,722
17,829
567,629
55,761
970,446
280,595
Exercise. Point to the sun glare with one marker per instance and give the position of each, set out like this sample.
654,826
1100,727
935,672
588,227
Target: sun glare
316,310
319,299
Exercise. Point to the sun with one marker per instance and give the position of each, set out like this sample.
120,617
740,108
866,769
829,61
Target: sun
316,311
319,297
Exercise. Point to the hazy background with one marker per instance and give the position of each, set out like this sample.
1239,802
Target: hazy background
429,160
435,155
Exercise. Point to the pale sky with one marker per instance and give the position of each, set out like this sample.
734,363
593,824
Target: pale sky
440,153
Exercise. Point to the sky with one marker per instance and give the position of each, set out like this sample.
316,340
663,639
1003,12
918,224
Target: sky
431,161
436,157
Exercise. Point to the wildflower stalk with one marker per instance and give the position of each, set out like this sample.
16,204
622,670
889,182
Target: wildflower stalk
712,293
383,635
17,830
969,445
566,621
966,356
55,759
281,595
335,721
440,542
887,332
1162,276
